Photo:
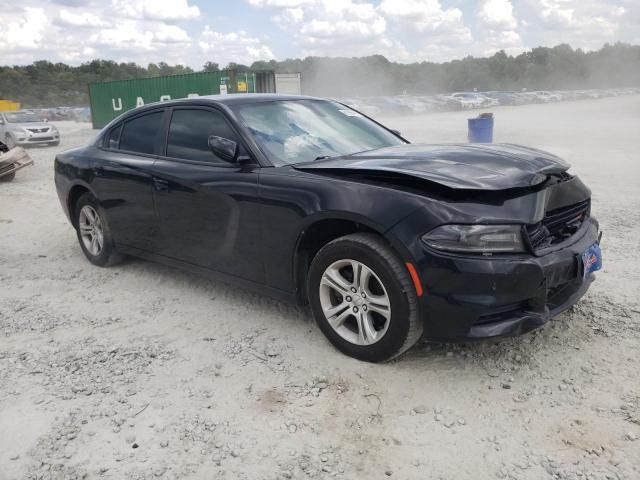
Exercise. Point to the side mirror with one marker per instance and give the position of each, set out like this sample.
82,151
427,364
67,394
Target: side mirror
395,132
224,148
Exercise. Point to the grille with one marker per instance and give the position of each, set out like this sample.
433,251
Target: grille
40,139
501,313
558,225
38,130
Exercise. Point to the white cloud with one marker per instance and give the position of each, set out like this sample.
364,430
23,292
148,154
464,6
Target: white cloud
557,13
581,23
24,32
289,16
76,35
170,10
497,14
438,33
404,30
124,35
426,16
334,27
236,47
497,27
170,34
343,28
85,19
343,18
279,3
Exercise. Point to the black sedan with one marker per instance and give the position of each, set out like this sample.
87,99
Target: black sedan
310,201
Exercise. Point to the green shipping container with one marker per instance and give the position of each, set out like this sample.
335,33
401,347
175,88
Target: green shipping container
111,99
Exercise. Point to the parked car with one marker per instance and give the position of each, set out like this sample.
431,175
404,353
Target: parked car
544,96
26,128
389,105
468,99
488,101
310,201
82,114
447,103
506,98
361,105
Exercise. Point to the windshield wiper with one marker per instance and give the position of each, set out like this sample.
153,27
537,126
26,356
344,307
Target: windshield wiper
321,157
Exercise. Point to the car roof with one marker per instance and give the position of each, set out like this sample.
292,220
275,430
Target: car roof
238,99
226,100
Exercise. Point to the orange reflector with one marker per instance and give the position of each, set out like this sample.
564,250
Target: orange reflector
415,278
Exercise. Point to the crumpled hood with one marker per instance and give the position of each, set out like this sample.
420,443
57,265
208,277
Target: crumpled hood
458,166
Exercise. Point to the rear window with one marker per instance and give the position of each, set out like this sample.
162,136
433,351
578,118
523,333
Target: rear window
140,134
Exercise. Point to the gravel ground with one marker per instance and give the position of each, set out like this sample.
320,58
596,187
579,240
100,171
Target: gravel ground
141,371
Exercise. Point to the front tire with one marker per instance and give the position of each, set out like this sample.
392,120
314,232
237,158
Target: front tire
362,298
93,232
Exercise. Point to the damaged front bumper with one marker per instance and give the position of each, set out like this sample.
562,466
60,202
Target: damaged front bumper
472,297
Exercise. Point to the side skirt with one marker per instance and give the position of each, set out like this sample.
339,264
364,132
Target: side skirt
259,288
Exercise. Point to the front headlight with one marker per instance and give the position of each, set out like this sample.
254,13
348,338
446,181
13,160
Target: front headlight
18,130
476,238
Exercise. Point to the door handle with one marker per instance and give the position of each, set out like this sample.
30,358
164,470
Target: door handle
160,184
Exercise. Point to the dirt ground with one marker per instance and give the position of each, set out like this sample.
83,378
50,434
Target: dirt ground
141,371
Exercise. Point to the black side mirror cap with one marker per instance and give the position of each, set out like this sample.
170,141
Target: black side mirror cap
224,148
395,132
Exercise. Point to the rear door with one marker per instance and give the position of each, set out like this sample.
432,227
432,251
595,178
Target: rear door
207,207
123,181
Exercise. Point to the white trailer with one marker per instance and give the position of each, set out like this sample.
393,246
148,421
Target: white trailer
288,83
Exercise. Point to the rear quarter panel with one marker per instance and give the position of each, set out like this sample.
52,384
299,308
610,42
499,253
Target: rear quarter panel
71,168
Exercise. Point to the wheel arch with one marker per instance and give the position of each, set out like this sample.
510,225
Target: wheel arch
322,229
75,192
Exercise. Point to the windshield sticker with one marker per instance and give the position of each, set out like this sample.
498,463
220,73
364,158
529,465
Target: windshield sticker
349,113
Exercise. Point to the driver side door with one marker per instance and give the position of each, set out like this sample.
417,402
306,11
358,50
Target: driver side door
207,207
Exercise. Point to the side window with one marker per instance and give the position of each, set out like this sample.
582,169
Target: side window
139,135
189,134
113,137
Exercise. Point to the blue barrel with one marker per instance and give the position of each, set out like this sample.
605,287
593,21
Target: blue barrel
481,128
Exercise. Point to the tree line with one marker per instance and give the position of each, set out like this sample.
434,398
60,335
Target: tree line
46,84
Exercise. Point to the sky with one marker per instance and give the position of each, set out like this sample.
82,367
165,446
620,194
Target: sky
192,32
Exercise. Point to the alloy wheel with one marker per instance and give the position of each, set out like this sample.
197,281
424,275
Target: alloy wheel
91,231
355,302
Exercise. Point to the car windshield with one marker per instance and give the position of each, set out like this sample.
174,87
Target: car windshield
296,131
21,117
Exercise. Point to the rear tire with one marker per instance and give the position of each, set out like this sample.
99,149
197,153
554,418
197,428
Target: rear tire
379,320
93,232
